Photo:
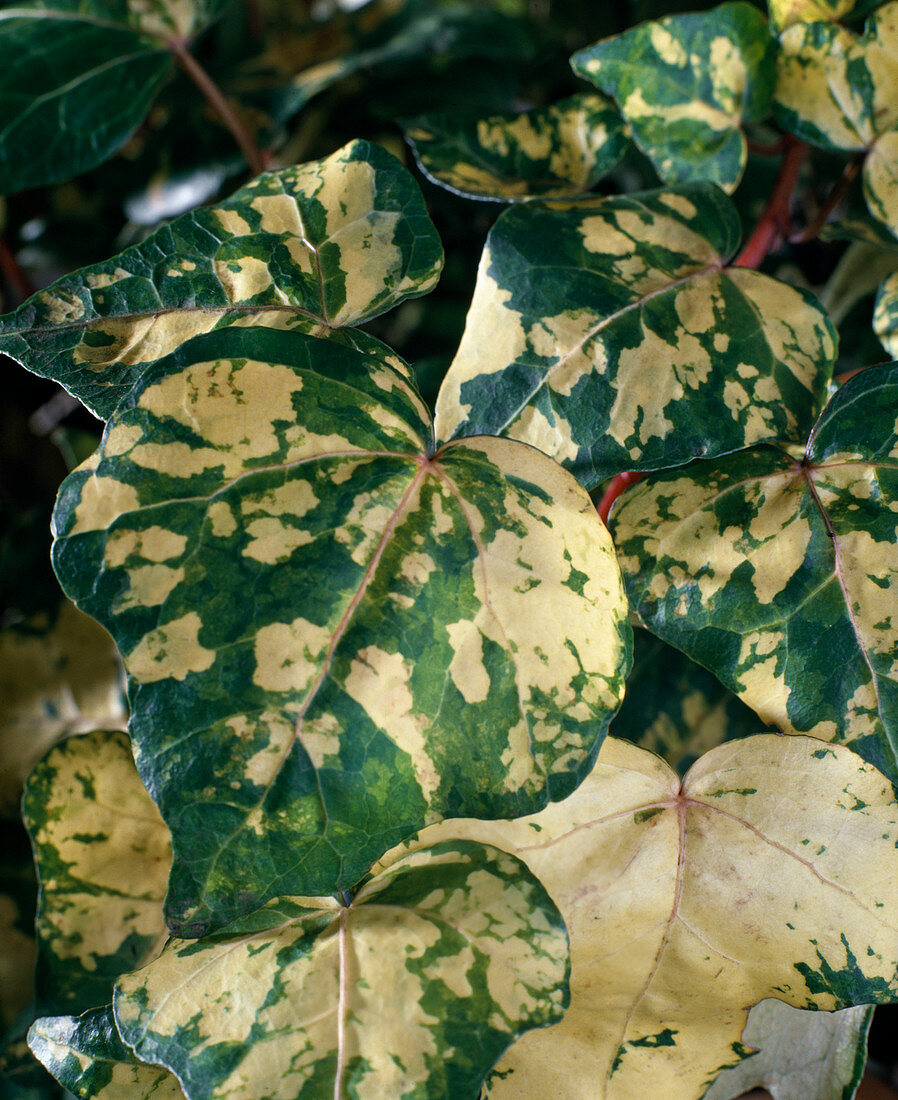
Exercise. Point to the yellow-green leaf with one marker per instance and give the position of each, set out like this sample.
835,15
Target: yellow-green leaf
881,173
412,990
689,901
103,855
783,13
885,314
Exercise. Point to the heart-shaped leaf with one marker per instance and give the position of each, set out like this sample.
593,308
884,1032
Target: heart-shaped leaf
610,334
687,902
775,568
686,84
334,634
550,151
885,314
103,857
314,248
413,989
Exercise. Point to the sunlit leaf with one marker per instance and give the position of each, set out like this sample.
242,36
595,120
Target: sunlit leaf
801,1054
103,857
687,902
686,84
87,1056
54,680
333,634
783,13
885,314
776,568
314,248
610,334
558,150
881,172
413,989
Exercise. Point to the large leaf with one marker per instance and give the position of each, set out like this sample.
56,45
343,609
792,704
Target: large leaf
54,680
775,568
609,334
687,902
550,151
333,634
801,1054
78,76
314,248
686,84
413,989
103,857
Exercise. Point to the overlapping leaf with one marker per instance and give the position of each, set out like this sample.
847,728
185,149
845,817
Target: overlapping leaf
413,989
885,314
562,149
800,1054
610,334
783,13
687,902
314,248
776,568
103,857
333,637
78,77
686,84
54,681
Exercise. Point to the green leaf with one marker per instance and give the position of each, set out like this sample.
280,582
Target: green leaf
313,248
550,151
415,989
686,84
783,13
885,314
103,857
775,569
87,1056
328,627
689,901
609,334
881,175
801,1054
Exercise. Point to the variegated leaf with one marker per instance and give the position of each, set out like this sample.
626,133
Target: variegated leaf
314,248
676,708
686,84
55,679
610,334
881,169
800,1054
103,856
87,1056
885,314
689,901
550,151
776,568
783,13
413,989
334,634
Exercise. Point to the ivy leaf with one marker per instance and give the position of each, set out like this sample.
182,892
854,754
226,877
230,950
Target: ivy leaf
610,334
313,248
783,13
689,901
550,151
685,85
55,680
266,514
415,989
87,1056
800,1054
885,314
775,569
103,857
78,77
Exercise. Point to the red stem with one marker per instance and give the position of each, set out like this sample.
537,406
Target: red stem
15,278
617,485
772,150
774,223
838,192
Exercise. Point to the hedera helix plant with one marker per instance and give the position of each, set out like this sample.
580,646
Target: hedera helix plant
366,835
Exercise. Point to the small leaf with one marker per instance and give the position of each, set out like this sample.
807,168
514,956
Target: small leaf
783,13
775,568
885,314
87,1056
314,248
415,989
329,628
609,334
103,857
54,681
686,84
687,902
801,1054
550,151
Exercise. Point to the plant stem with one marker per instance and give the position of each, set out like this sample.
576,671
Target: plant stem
617,485
772,150
773,226
255,18
838,192
16,279
214,95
